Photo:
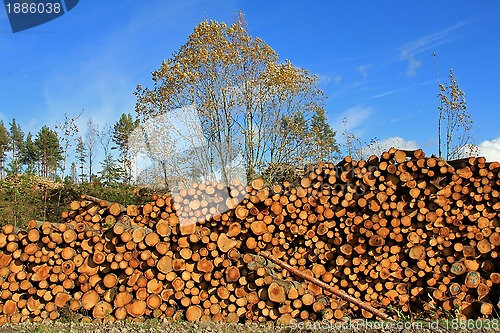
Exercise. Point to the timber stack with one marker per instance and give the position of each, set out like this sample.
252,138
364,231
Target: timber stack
400,230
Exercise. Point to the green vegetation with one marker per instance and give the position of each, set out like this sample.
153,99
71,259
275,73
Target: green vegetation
28,197
353,326
33,179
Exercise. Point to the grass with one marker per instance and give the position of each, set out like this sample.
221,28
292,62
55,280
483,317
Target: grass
156,326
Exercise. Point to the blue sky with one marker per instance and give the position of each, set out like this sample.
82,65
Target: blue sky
373,60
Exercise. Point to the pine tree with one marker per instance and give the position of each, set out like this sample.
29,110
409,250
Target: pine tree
50,151
73,173
4,146
16,146
31,155
324,145
81,157
91,141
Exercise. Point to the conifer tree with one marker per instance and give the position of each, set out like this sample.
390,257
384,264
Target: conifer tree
16,146
121,134
81,157
50,151
4,146
31,156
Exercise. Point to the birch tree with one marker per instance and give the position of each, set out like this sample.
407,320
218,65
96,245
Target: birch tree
245,98
455,122
67,130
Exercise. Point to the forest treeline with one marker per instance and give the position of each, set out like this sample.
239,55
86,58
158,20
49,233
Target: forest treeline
47,152
41,173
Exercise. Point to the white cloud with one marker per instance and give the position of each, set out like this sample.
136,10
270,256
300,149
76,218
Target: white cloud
395,91
378,147
426,44
413,65
363,69
325,79
490,149
353,117
383,94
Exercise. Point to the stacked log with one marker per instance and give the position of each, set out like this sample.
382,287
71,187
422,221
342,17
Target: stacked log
399,230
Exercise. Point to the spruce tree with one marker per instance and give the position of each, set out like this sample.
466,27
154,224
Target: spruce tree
121,134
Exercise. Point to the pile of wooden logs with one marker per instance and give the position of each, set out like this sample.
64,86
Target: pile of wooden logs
399,231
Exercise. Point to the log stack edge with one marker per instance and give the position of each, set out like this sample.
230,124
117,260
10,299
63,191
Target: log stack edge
400,231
